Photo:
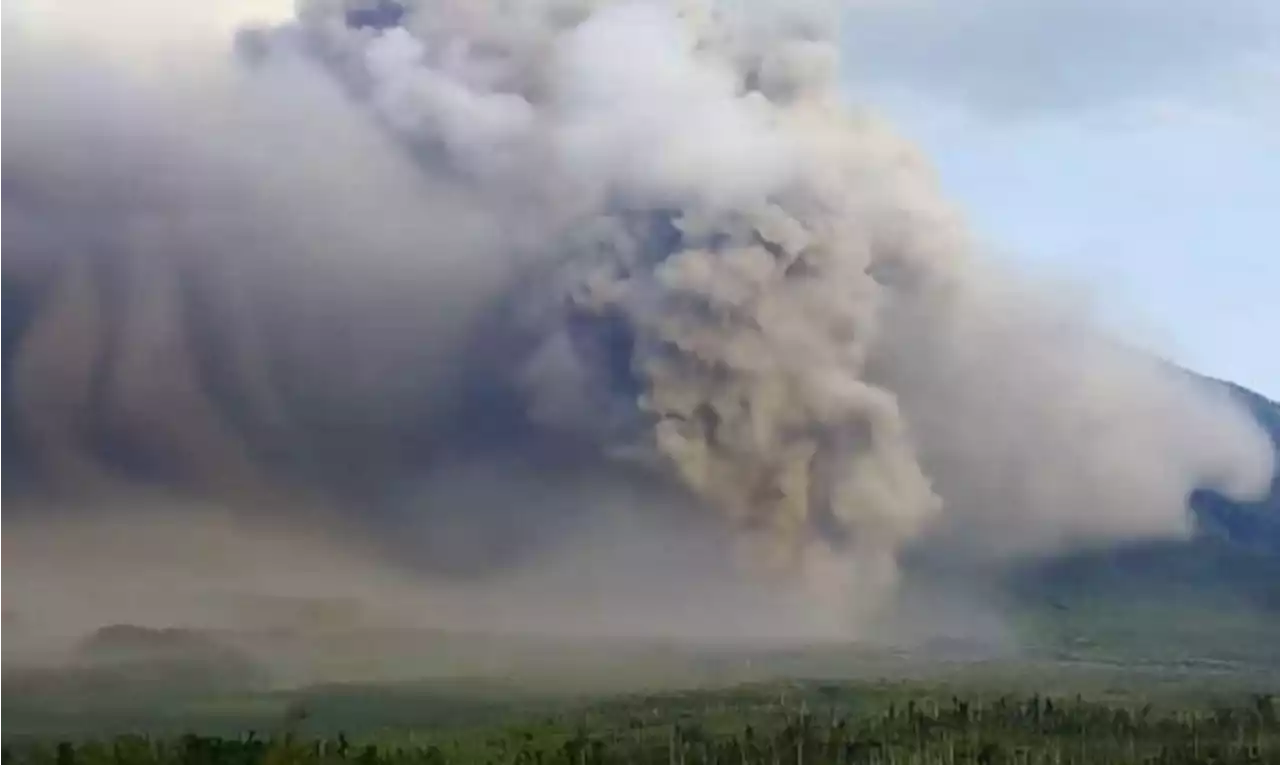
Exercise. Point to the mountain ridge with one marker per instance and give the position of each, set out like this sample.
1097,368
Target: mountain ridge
1231,560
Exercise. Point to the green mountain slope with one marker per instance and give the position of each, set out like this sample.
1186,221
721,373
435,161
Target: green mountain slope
1216,595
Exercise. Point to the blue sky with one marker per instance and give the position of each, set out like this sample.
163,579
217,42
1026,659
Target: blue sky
1129,146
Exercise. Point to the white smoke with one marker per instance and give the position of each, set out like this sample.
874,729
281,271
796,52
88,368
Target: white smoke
817,350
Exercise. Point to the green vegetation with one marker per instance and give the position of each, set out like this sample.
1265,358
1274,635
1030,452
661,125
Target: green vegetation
770,724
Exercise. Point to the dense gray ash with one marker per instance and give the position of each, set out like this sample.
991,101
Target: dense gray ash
464,281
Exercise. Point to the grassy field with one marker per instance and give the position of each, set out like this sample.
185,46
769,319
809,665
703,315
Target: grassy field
1087,684
774,723
403,680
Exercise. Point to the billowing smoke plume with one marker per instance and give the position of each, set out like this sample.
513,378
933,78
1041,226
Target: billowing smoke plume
584,246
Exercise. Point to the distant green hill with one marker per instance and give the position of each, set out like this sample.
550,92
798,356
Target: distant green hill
1217,594
1252,526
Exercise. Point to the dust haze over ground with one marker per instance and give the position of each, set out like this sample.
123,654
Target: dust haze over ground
597,318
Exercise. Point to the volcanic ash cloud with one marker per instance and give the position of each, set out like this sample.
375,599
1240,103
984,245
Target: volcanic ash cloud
713,264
